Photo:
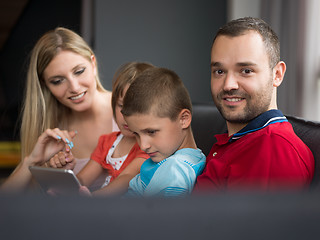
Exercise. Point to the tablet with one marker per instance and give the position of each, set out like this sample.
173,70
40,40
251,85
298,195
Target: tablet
61,181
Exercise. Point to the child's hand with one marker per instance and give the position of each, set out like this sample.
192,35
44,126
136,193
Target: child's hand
84,191
63,159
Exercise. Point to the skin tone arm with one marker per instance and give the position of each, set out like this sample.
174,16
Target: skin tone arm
90,173
119,185
49,143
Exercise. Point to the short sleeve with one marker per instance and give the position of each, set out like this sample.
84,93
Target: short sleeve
174,178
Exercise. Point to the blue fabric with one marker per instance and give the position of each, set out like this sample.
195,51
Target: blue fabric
262,121
173,176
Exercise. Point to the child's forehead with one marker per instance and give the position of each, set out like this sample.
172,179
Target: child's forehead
146,120
148,116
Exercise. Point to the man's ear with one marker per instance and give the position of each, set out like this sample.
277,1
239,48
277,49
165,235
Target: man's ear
278,73
185,117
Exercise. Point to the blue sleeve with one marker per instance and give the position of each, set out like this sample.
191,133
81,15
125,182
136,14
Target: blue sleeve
135,187
173,178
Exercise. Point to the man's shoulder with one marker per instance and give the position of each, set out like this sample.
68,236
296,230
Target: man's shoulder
277,135
282,130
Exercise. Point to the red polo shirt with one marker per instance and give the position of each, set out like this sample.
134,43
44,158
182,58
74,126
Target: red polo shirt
266,155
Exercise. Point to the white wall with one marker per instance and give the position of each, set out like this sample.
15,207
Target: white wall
243,8
311,63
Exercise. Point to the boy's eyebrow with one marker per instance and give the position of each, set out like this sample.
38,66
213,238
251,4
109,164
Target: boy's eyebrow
147,129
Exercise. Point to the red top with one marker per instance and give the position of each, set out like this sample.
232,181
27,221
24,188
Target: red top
271,158
101,151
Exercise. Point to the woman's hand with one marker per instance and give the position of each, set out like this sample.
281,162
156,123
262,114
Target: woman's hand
49,143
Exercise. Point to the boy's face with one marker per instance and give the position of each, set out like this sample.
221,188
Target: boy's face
158,137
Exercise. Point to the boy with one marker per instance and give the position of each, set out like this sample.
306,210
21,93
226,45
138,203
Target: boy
158,110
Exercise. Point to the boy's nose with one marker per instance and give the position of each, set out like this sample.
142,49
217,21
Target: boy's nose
144,145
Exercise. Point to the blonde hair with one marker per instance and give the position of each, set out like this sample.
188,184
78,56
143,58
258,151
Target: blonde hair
123,77
40,108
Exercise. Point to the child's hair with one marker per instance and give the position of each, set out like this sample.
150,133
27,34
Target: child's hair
125,75
157,91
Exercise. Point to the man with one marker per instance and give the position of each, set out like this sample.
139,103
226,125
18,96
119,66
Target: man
260,150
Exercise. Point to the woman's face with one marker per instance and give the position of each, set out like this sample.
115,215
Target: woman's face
71,79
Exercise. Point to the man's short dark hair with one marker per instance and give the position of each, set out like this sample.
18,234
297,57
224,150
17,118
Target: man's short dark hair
241,26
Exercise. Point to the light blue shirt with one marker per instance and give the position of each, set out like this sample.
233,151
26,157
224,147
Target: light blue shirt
173,176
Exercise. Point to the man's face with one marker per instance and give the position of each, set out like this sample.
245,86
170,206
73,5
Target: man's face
241,78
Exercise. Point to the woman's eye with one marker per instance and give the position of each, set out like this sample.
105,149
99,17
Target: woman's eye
56,81
78,72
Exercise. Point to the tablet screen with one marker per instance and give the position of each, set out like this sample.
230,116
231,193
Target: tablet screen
61,181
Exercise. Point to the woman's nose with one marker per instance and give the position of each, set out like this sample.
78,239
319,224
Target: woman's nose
74,85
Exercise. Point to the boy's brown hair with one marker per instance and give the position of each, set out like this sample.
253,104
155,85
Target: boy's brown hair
125,75
157,91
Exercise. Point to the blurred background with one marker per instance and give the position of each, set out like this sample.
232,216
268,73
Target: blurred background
175,34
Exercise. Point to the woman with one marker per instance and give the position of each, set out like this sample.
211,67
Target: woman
63,91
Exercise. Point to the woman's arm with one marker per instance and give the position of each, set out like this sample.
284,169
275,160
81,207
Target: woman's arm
48,143
19,179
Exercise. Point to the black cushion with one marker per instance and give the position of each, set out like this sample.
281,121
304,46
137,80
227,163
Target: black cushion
206,122
309,133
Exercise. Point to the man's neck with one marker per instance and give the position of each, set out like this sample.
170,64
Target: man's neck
234,127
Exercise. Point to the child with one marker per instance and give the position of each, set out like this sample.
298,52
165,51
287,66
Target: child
117,150
157,108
